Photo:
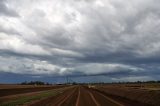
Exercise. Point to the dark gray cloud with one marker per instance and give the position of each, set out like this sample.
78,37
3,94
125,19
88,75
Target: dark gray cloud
6,10
119,39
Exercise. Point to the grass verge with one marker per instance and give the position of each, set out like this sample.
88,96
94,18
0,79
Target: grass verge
24,99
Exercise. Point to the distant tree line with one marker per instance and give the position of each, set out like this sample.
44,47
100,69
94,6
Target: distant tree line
34,83
152,82
122,82
139,82
76,83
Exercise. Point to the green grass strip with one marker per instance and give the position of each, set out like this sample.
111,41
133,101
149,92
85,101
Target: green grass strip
22,100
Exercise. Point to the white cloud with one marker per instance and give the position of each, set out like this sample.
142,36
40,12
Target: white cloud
80,34
38,67
109,25
31,67
18,45
133,78
67,53
102,68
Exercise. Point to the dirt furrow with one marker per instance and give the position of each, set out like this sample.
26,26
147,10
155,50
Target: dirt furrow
62,100
83,96
103,100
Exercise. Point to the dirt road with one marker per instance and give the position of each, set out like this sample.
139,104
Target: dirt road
83,96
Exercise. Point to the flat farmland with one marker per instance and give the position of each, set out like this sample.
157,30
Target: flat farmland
11,86
147,93
79,95
85,96
13,95
18,89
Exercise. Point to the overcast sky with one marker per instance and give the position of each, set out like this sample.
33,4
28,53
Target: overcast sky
118,40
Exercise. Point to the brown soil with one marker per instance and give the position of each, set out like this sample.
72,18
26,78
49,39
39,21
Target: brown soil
11,86
145,96
15,91
14,97
83,96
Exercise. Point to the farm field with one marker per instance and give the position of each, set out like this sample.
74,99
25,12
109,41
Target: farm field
79,52
20,95
79,95
147,93
12,91
84,96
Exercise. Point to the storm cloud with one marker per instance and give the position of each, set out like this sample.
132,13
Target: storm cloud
116,38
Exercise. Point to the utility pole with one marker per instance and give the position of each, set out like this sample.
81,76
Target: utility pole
67,79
